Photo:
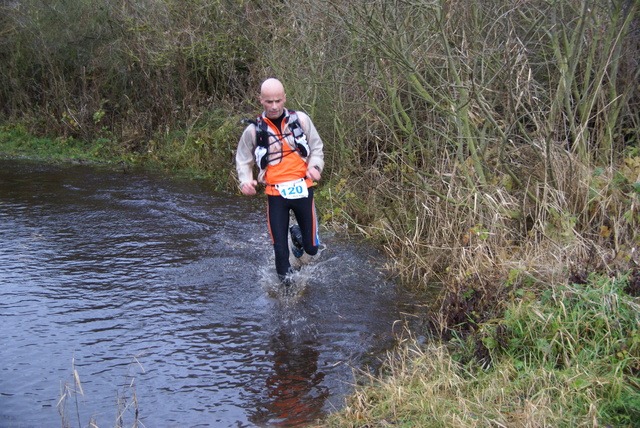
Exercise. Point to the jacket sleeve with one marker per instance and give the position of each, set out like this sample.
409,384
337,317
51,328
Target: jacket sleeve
244,155
316,155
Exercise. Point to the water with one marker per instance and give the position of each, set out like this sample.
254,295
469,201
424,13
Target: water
160,295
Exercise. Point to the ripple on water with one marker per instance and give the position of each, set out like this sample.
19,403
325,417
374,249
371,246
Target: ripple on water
166,289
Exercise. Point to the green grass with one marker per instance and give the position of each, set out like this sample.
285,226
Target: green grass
204,150
16,141
570,357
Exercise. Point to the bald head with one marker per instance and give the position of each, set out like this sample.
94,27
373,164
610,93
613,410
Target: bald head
271,85
272,98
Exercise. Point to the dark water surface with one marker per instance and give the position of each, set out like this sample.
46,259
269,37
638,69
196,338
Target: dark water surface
161,295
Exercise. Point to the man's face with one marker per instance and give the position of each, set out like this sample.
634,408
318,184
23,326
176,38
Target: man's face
272,100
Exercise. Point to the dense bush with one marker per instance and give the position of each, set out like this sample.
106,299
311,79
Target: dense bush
129,71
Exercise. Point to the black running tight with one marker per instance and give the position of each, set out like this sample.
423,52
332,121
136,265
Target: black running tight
278,219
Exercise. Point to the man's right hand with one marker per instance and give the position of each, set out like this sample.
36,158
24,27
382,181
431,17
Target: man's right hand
249,188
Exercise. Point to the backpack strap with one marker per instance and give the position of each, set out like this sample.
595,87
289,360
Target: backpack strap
261,151
302,145
262,133
262,138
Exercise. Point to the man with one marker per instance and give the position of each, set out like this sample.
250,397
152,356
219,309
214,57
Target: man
286,147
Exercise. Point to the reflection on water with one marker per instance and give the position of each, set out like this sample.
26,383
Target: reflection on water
162,290
294,388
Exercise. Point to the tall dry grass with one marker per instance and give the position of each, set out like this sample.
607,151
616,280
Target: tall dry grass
73,413
475,138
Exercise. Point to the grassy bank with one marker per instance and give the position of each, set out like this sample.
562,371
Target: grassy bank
205,150
565,356
490,147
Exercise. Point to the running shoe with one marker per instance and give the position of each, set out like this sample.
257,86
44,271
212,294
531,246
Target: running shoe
296,241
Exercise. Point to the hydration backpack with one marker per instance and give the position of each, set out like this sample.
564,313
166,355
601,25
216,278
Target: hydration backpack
262,138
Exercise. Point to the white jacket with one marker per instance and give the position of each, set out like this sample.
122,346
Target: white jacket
245,158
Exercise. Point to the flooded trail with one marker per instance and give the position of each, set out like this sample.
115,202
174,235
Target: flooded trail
161,294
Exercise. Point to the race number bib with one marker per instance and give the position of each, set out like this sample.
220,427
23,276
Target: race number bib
295,189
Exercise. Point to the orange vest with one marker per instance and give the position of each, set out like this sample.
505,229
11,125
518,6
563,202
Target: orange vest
291,166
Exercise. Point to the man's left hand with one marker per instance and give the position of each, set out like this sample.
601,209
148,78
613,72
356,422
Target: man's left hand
313,173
